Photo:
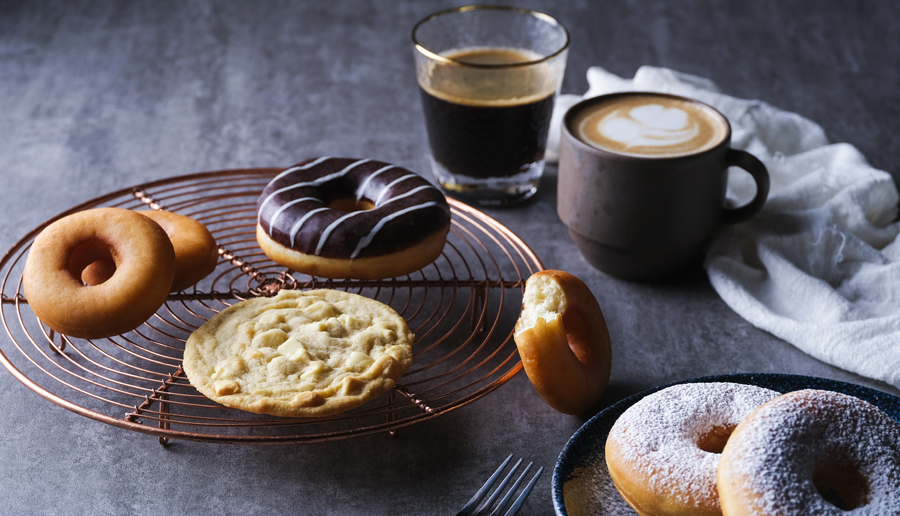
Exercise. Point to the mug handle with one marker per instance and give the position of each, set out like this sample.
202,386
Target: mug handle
755,167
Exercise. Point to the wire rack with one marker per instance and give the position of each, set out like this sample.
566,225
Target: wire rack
462,308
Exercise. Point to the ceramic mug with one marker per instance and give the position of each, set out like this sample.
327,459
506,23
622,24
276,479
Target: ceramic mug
642,179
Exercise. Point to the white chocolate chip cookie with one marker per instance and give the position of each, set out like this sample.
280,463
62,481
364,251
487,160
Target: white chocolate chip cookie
299,354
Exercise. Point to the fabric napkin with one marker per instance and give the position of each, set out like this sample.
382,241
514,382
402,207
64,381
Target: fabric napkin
819,266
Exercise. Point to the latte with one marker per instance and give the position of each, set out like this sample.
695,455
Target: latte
649,125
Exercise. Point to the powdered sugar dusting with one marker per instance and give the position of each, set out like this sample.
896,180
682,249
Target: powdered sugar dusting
590,491
770,462
656,438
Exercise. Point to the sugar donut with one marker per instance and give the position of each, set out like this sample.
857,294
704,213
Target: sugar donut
663,452
346,218
145,265
563,341
196,251
812,452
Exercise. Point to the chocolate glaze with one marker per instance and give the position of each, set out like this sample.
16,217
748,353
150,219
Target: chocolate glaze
293,208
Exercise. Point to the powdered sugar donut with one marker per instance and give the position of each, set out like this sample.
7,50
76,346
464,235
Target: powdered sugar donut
663,452
812,452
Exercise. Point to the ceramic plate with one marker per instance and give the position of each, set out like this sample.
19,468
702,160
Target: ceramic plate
582,460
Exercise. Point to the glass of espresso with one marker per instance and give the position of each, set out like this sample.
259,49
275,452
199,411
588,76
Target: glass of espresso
488,77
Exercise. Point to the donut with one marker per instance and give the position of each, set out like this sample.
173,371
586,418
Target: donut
196,251
144,261
812,452
563,341
663,452
347,218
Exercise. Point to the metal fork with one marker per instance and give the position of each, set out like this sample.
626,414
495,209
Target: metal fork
492,502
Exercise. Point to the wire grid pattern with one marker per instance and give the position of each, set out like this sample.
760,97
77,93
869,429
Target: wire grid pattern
462,308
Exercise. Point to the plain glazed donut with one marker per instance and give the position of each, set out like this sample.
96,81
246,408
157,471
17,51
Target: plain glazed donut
663,452
196,251
563,341
347,218
812,452
145,265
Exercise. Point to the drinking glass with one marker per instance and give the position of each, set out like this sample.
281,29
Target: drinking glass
488,78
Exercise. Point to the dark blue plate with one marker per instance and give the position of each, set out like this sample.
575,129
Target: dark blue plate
584,452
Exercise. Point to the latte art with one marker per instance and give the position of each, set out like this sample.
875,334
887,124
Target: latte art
652,125
649,125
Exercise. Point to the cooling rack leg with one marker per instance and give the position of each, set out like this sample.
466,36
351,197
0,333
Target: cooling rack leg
478,300
164,417
161,397
62,342
390,412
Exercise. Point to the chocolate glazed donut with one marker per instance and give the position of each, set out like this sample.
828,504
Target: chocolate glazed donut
348,218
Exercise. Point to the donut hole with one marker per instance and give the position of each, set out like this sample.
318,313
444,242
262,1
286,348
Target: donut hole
98,272
92,262
714,441
350,204
840,482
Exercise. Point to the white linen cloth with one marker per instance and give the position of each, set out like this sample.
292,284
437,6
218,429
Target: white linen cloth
819,266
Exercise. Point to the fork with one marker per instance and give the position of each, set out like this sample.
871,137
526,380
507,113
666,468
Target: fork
499,506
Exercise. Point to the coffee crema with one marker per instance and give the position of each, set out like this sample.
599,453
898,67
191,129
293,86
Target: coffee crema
521,83
648,125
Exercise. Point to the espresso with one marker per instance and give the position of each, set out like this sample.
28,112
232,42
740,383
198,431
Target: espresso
488,122
648,125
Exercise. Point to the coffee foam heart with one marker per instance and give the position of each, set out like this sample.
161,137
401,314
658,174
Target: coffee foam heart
649,125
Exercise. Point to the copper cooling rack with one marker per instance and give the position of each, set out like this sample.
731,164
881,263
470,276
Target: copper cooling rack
462,309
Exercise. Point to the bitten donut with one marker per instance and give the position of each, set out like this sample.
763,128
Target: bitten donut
196,251
663,452
812,452
347,218
145,265
563,341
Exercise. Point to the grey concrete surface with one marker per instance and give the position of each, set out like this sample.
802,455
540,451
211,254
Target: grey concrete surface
98,96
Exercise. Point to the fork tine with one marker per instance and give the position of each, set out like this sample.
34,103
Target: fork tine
473,503
512,490
525,492
497,492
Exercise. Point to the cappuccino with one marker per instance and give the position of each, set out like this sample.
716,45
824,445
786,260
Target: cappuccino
649,125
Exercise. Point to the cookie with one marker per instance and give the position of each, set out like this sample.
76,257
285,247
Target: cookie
299,354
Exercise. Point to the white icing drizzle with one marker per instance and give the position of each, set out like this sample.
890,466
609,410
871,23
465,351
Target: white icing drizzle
286,206
309,165
335,224
384,190
365,241
296,227
317,182
331,227
362,187
411,192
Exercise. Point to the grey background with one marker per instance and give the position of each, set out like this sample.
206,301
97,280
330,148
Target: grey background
97,96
